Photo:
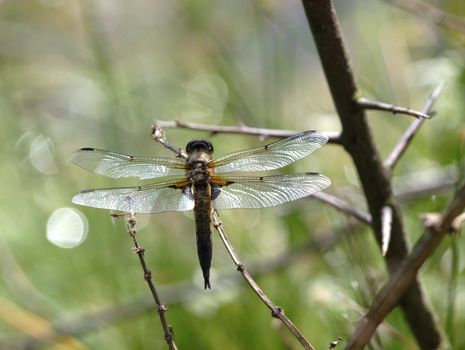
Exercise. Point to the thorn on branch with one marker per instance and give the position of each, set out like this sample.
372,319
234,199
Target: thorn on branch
162,308
138,250
277,312
148,275
386,226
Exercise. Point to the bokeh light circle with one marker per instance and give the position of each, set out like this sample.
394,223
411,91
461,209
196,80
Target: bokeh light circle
67,228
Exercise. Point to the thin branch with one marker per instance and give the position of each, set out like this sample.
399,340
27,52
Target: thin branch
276,311
241,129
381,106
389,296
407,138
386,221
161,309
158,134
343,207
356,137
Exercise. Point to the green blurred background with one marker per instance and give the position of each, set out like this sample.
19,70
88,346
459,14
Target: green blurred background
98,73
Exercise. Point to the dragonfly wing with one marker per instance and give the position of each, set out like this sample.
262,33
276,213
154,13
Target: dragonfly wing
159,197
273,156
266,191
117,165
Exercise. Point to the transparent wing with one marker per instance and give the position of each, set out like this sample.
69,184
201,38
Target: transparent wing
153,198
117,165
273,156
267,191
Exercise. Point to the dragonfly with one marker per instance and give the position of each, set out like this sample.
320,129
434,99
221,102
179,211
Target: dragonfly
202,183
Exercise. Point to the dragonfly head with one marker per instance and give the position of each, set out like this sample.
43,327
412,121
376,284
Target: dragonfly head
199,146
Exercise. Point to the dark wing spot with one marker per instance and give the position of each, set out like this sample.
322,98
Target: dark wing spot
311,173
88,149
131,158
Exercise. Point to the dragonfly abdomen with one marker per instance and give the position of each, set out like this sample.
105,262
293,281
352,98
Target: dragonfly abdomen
202,212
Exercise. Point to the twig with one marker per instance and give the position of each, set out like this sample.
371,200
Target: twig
356,137
343,207
161,309
276,311
241,129
158,134
407,138
381,106
389,296
386,225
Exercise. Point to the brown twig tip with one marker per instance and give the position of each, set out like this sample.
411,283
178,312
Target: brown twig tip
382,106
157,132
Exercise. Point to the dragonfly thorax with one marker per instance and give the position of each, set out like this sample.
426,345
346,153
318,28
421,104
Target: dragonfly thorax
199,172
